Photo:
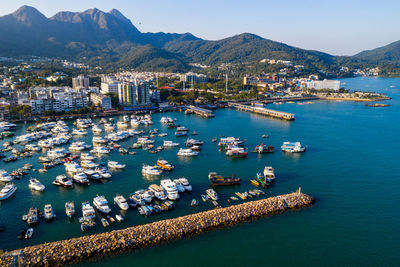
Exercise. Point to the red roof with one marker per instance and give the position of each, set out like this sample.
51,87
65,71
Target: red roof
166,87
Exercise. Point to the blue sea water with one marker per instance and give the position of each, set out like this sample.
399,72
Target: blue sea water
351,166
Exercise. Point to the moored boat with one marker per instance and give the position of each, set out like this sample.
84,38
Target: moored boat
216,179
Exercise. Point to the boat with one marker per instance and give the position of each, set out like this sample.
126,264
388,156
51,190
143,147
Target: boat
122,125
87,224
234,198
96,130
29,233
81,178
179,186
166,120
185,183
236,152
170,187
36,185
73,167
101,204
103,173
216,179
158,192
87,164
292,147
5,176
63,180
88,211
194,203
193,142
138,198
170,144
21,234
260,178
269,174
70,209
212,194
104,222
204,198
164,165
254,182
115,165
7,191
263,149
229,141
150,170
100,150
240,195
119,218
48,212
121,202
32,216
187,152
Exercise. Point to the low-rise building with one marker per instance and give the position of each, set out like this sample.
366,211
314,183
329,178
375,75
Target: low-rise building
101,101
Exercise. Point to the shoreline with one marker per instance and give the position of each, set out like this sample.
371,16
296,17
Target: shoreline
141,236
354,99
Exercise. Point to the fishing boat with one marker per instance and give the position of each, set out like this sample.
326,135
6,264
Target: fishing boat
87,224
70,209
101,204
269,174
261,180
212,194
48,212
164,165
216,179
236,152
7,191
36,185
261,149
293,147
121,202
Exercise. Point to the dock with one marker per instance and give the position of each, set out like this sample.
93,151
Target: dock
206,113
137,237
264,111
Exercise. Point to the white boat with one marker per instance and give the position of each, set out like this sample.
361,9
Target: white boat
104,173
36,185
73,167
269,174
100,150
48,212
70,209
89,164
135,122
170,187
150,170
101,204
96,130
86,156
212,194
179,186
80,178
88,211
146,195
79,132
32,147
158,192
126,118
293,147
63,180
119,218
170,144
187,152
121,202
115,165
109,127
7,191
144,141
29,233
122,125
99,140
91,174
166,120
5,176
183,181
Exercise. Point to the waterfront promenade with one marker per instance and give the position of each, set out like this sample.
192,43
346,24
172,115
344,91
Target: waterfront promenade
78,249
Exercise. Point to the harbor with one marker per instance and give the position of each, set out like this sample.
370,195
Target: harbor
263,111
78,249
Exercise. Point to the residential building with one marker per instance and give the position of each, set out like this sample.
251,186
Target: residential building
134,93
194,77
80,82
101,100
325,84
109,85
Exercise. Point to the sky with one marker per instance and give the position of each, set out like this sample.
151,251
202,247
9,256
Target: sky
340,27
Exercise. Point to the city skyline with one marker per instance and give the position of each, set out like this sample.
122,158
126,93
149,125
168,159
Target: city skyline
340,29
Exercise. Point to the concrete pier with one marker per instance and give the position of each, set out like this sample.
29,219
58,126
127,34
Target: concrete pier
264,111
201,111
81,248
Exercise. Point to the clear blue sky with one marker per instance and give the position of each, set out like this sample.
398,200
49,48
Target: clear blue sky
338,27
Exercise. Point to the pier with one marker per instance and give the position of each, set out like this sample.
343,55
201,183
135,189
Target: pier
141,236
264,111
206,113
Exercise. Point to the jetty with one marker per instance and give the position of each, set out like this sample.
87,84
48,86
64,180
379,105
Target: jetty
264,111
206,113
141,236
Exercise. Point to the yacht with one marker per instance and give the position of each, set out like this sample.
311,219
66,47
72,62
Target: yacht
230,141
109,127
170,144
63,180
80,178
86,156
185,183
5,177
212,194
32,147
193,142
150,170
293,147
135,122
48,212
180,133
122,125
96,130
146,195
187,152
179,186
158,192
91,174
99,140
88,211
103,173
101,204
36,185
120,201
126,118
166,120
73,167
7,191
145,140
79,132
138,198
236,152
70,209
170,187
269,174
88,164
115,165
100,150
78,146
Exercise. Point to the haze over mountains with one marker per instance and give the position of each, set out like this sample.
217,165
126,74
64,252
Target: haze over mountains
111,38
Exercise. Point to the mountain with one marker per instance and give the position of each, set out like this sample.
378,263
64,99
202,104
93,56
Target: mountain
385,54
111,39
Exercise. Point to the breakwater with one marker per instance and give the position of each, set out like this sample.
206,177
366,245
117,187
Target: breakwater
264,111
78,249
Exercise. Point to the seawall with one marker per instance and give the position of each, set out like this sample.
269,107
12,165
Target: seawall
78,249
